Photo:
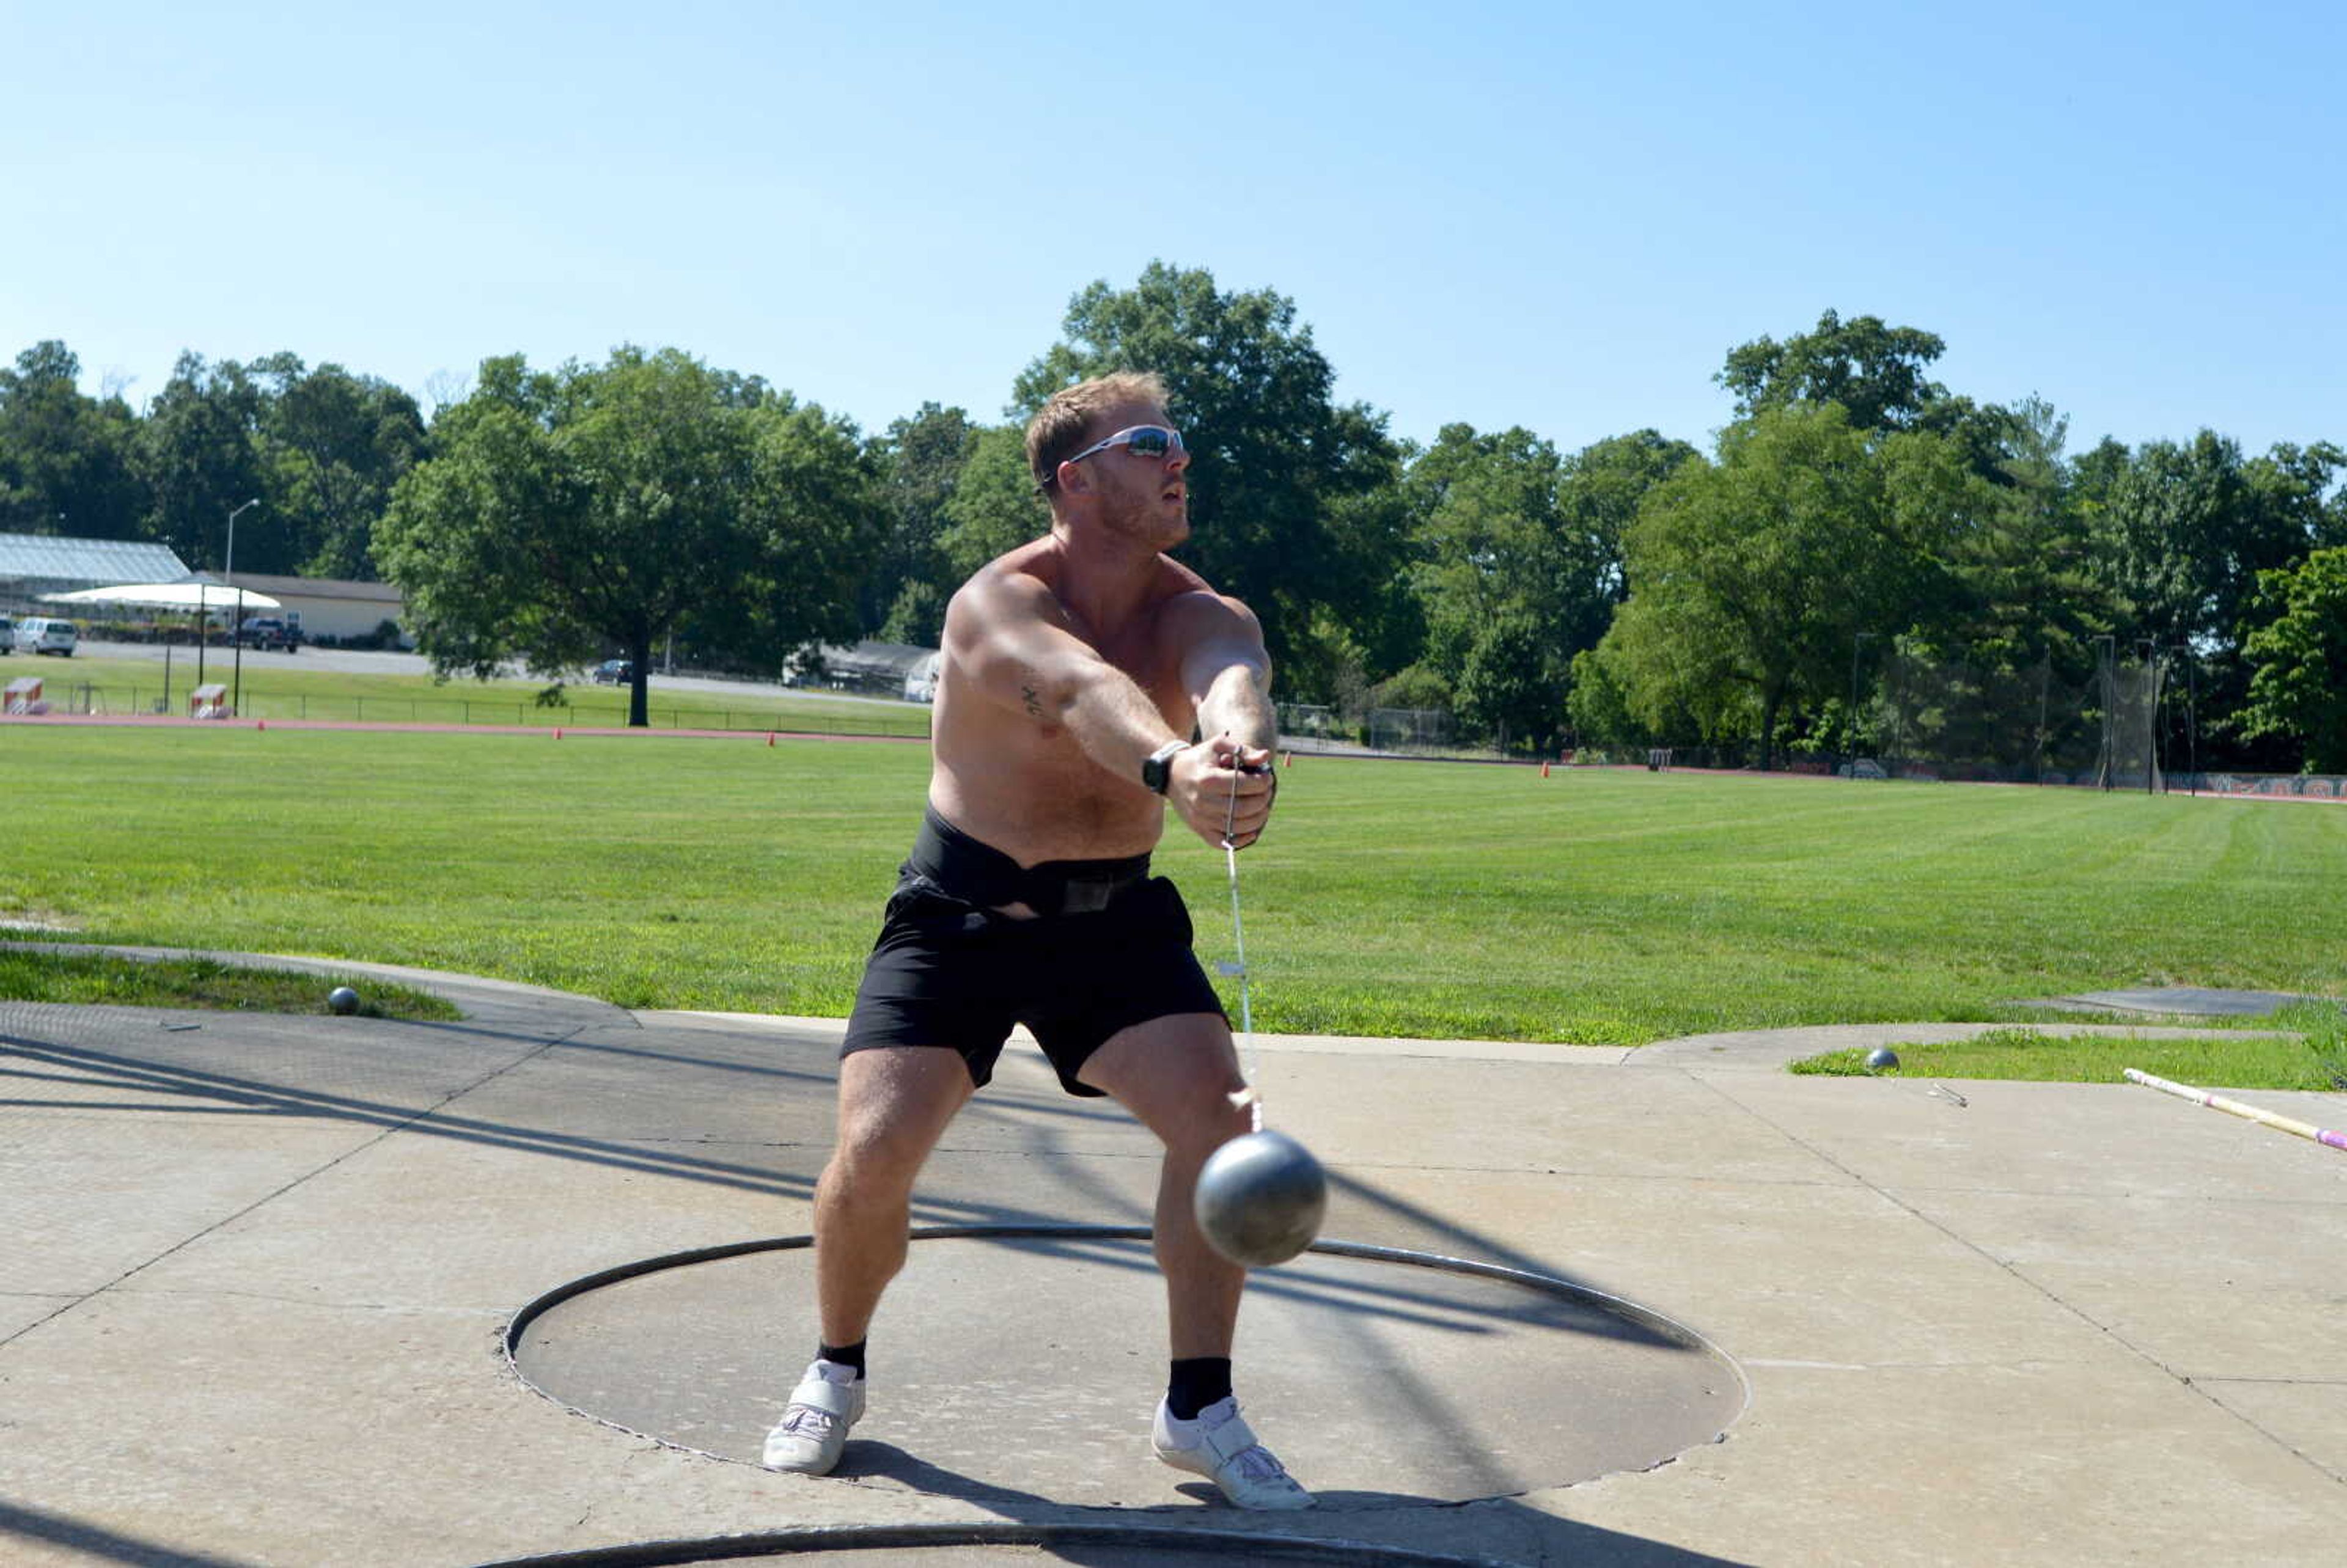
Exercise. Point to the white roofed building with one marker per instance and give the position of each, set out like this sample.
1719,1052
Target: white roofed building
35,564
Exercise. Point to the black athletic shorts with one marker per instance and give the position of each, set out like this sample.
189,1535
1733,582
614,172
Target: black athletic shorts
1111,949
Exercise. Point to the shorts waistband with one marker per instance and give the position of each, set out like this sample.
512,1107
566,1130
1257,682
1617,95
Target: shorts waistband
970,869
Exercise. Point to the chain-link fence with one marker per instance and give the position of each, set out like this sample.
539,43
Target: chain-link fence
1398,732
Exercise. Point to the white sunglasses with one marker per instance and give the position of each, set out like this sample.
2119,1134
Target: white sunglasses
1154,441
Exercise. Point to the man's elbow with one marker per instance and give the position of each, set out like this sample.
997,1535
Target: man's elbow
1244,681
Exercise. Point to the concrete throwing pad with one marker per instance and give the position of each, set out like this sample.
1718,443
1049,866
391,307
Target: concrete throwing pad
2191,1001
1023,1363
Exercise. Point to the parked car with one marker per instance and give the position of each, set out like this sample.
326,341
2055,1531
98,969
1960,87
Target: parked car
7,635
272,632
615,672
45,634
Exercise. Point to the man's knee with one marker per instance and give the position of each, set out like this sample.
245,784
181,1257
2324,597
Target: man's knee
894,1105
1218,1117
876,1151
1177,1074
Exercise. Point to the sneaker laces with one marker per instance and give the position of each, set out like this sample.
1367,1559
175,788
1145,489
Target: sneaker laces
806,1420
1259,1463
1254,1462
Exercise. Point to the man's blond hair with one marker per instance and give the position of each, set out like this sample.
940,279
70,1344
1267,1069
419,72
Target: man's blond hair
1057,432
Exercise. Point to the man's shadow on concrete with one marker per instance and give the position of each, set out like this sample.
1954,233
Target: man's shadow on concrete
1394,1527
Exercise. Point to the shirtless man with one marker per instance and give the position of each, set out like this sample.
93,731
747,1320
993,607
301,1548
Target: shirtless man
1076,669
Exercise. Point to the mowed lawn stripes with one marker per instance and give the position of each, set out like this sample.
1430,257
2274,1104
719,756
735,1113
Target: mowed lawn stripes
1419,900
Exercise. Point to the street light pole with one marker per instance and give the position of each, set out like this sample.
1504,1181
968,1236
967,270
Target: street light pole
2108,760
1861,641
236,636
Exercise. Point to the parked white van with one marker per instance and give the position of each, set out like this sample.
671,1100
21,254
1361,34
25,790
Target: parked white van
40,634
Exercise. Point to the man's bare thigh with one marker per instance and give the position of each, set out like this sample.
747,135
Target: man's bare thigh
1170,1069
897,1101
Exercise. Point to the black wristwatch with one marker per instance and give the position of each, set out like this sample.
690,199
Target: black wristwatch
1157,770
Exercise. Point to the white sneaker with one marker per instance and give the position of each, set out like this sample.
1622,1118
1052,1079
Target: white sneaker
1220,1446
828,1400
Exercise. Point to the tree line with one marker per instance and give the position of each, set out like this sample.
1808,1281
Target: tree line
1639,590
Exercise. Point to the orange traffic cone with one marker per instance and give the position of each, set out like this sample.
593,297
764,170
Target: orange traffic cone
770,737
1544,767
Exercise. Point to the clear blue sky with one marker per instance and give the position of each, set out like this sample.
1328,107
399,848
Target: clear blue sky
1554,216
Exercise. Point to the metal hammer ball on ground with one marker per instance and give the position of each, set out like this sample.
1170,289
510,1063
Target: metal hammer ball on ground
341,1001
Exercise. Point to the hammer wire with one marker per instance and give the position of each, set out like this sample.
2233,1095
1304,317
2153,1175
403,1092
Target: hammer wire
1251,1096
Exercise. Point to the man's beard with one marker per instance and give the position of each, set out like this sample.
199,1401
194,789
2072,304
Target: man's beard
1147,519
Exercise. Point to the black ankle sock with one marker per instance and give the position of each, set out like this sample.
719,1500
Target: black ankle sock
842,1354
1197,1382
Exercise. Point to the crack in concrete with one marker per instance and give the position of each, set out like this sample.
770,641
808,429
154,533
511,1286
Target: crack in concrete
304,1178
2102,1198
2016,1274
282,1299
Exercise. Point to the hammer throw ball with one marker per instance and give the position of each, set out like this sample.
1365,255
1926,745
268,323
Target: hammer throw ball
1261,1198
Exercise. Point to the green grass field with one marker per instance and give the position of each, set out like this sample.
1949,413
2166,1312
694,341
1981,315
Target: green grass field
1389,898
2316,1059
93,682
102,979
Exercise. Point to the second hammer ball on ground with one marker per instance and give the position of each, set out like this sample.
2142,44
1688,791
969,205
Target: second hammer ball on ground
1261,1198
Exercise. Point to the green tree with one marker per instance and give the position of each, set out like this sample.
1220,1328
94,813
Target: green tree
1599,705
2181,540
994,507
1273,458
198,456
1509,686
2096,472
2174,539
1751,577
2186,529
335,445
1509,586
1372,624
596,507
1876,371
2020,594
65,462
321,448
1601,489
2298,489
920,459
1514,558
1485,533
2299,688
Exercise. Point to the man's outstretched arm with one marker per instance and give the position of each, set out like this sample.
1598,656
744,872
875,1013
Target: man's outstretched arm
1227,674
1013,639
